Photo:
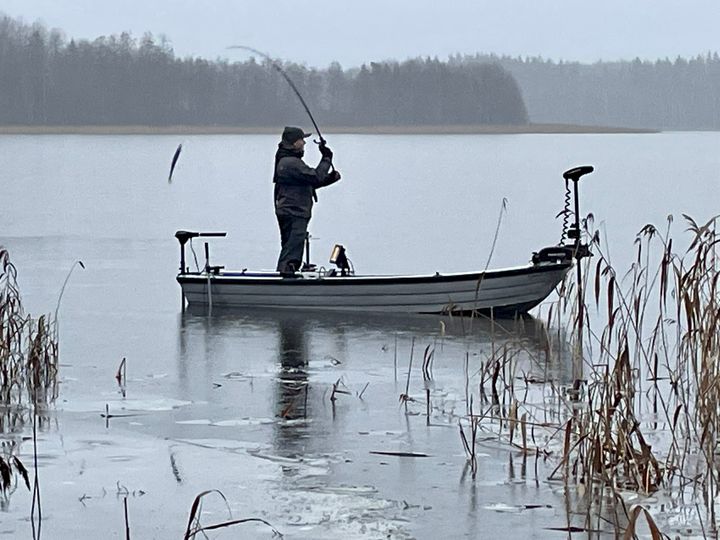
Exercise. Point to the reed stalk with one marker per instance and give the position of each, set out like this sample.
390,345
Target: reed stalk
28,383
650,363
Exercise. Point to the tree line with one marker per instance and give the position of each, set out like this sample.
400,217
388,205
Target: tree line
682,94
48,80
120,80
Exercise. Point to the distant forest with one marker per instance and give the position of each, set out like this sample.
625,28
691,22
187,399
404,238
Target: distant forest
679,94
120,80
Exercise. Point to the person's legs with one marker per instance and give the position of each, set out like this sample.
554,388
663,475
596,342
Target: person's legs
292,237
285,225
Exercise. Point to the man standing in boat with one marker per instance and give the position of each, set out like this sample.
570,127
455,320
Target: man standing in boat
295,185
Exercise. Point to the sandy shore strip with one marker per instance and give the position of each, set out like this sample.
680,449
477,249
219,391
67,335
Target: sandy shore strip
370,130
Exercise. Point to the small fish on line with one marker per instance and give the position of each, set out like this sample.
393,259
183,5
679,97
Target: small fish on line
174,162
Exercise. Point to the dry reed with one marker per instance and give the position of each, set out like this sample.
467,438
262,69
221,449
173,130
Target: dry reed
28,376
194,527
650,350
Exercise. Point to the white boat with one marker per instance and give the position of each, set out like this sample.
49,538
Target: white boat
505,292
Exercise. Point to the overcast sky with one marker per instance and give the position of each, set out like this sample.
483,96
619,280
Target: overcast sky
354,32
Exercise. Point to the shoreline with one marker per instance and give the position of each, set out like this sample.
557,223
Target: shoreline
359,130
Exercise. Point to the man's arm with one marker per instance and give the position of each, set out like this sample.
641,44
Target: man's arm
298,172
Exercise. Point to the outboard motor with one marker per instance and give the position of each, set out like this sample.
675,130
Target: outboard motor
184,236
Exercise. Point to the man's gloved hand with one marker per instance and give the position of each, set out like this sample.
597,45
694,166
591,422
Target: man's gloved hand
334,176
325,151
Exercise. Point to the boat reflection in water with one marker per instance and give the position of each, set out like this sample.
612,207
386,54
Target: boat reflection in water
280,366
290,339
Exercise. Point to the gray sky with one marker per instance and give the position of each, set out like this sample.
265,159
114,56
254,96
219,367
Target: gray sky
353,32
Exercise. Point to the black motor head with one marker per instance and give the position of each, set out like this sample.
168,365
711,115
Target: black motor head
575,173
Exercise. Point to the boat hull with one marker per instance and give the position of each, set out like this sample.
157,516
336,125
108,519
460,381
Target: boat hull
506,292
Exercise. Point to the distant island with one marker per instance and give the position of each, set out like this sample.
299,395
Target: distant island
120,84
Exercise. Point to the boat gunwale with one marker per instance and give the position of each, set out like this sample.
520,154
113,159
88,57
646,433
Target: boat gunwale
229,278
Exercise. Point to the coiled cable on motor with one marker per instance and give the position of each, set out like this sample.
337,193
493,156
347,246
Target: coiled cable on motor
565,213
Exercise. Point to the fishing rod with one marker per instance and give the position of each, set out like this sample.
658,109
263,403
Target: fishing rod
280,70
273,63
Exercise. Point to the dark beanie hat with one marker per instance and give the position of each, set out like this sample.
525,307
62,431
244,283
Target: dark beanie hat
292,134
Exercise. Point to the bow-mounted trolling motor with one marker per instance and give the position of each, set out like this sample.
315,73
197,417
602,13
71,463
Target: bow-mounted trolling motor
184,236
571,245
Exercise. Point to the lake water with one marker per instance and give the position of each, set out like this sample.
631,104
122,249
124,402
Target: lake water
240,402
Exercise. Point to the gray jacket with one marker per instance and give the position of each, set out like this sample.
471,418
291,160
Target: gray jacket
296,182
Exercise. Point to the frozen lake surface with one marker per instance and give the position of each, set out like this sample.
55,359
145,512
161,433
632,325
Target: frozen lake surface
240,402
